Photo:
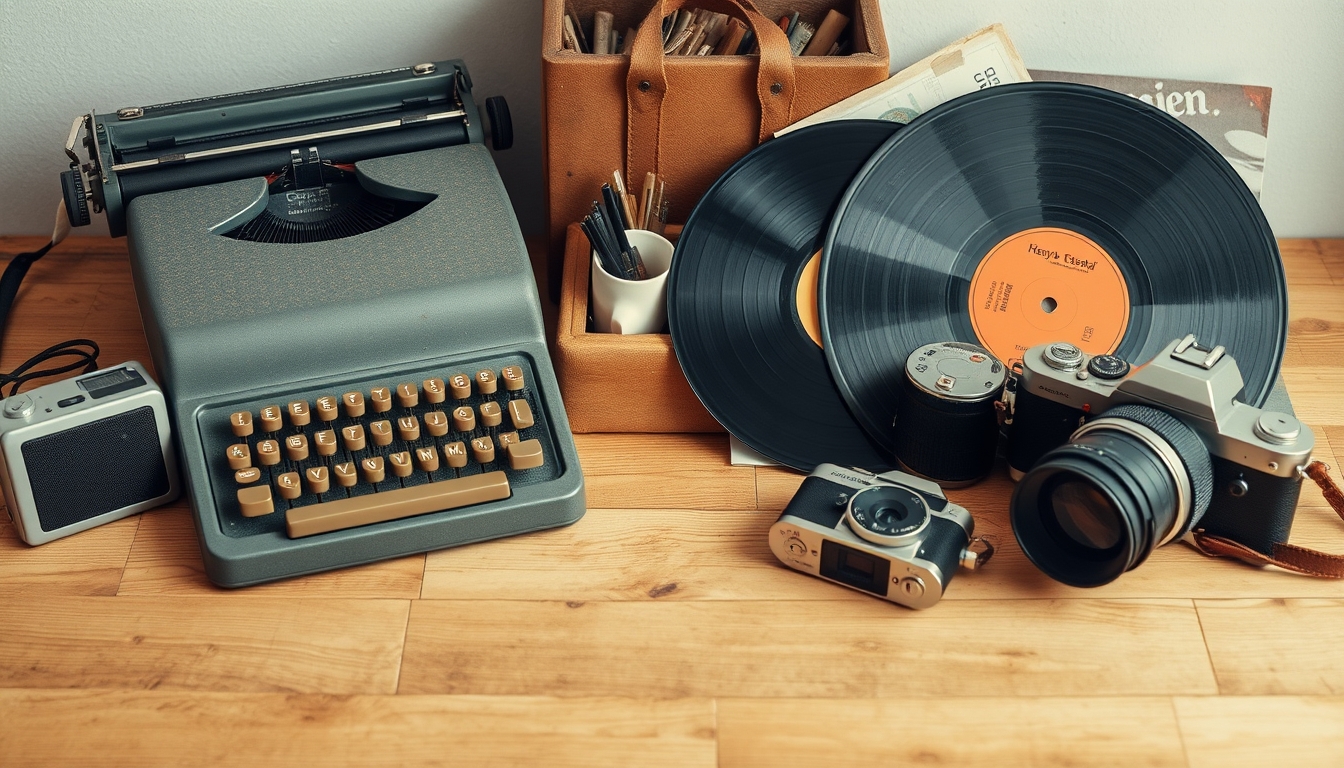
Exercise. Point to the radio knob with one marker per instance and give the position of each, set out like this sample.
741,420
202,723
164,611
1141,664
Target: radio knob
796,547
20,407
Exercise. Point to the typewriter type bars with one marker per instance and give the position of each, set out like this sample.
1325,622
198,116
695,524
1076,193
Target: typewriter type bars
360,457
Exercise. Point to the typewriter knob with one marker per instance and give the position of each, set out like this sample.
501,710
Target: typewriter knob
501,123
76,200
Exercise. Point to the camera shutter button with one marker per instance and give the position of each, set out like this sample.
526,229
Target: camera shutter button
20,407
1272,427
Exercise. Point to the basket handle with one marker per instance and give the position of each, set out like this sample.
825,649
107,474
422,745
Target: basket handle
646,82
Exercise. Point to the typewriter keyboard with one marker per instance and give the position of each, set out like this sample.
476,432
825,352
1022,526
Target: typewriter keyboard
315,462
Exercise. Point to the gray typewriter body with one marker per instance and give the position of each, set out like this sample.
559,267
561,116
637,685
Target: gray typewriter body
235,324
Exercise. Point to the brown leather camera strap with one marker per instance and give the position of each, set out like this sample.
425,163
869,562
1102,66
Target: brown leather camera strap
1286,556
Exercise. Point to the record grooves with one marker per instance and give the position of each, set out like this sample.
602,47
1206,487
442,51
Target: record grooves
1068,213
733,297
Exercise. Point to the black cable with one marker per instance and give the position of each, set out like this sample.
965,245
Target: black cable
9,290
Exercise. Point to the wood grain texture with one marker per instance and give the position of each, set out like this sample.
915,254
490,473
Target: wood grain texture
170,729
856,649
87,563
969,731
663,471
166,560
289,644
1232,731
1275,646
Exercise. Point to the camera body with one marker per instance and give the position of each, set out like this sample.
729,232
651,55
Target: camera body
85,451
892,535
1257,456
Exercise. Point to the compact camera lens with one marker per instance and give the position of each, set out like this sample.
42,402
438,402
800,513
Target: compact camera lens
887,515
1130,481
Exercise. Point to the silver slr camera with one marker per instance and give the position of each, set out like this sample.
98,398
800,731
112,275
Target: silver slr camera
1114,461
85,451
892,535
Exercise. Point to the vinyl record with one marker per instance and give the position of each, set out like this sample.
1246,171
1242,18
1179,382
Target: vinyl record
1042,212
741,297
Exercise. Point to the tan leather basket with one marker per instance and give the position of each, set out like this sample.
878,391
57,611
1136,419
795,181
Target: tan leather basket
686,117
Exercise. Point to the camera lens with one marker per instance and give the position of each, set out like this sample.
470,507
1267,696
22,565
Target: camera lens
1133,479
887,515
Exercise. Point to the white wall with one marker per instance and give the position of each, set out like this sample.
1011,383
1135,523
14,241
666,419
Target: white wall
59,58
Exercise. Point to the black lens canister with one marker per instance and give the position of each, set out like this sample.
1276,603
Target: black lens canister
1097,506
946,428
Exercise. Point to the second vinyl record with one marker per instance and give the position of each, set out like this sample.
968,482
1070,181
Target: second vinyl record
1042,212
742,297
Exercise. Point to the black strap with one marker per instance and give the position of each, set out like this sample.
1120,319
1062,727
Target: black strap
84,351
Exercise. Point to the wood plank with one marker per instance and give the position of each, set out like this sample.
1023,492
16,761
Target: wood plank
856,649
961,731
157,728
275,644
775,486
1303,263
1275,646
1230,731
663,471
1332,255
86,563
166,560
1315,391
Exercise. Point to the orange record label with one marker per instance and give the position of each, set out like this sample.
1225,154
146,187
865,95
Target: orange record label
1048,284
806,298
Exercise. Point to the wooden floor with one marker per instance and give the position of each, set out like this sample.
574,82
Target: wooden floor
659,630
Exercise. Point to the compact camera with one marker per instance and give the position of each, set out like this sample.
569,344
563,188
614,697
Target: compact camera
892,535
1115,461
85,451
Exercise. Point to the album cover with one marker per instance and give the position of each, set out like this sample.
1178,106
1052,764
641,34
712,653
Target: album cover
1233,118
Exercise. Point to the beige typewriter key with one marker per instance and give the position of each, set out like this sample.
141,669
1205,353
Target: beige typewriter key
396,504
241,423
483,450
247,476
381,397
327,408
240,456
520,413
268,453
400,462
344,473
434,391
436,423
270,418
459,386
513,378
485,381
455,454
408,428
507,439
490,414
374,471
381,432
464,419
354,437
325,441
255,500
319,479
526,455
299,413
407,395
427,459
296,447
354,404
288,486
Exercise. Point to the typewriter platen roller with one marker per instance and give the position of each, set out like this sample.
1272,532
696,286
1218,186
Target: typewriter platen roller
351,237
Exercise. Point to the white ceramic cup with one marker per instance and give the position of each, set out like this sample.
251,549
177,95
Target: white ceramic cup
634,306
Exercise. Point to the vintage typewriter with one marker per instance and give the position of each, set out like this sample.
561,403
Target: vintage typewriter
341,310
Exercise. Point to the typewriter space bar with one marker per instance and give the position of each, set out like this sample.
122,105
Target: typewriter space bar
394,505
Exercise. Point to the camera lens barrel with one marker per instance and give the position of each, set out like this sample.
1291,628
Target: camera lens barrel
946,428
1125,483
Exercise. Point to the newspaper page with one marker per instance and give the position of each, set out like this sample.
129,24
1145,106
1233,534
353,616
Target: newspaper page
981,60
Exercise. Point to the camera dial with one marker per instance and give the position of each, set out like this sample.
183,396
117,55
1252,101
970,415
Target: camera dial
887,515
1108,367
1063,356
